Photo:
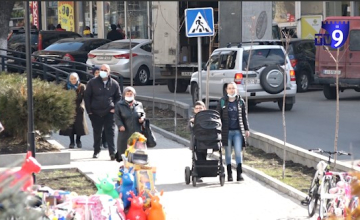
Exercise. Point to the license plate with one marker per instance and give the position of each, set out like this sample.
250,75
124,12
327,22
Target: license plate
186,73
332,72
104,57
251,81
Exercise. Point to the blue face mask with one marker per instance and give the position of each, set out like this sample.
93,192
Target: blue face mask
103,74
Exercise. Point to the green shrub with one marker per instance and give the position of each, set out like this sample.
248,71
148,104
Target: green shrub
54,107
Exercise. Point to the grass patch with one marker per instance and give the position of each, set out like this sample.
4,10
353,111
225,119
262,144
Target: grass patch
296,175
66,179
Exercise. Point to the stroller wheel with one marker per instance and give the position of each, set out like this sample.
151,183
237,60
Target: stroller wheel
222,180
194,181
187,175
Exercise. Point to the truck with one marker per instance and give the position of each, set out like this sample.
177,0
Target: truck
175,55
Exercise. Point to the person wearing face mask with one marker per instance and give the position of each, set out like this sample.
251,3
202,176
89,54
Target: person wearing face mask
129,117
101,94
96,73
79,128
235,127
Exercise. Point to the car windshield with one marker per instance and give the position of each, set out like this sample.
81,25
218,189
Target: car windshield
263,57
20,38
118,45
65,46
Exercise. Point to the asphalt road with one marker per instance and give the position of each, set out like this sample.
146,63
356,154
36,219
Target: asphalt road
310,124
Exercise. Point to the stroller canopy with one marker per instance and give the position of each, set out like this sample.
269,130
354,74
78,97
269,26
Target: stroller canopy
207,125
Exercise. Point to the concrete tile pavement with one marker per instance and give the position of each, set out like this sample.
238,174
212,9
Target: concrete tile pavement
246,200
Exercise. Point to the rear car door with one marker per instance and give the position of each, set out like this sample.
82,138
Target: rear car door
146,56
224,74
353,57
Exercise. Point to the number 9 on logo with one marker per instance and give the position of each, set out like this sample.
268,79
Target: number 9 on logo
338,36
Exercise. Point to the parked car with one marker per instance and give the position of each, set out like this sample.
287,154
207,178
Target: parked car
301,53
69,49
348,63
264,77
38,41
117,53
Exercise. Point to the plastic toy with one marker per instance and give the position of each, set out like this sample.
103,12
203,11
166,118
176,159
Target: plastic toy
106,187
31,165
128,184
136,211
156,211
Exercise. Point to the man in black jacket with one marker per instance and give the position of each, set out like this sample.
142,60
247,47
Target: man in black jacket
101,95
114,34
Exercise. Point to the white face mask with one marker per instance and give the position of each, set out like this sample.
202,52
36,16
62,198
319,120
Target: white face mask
231,96
129,98
103,74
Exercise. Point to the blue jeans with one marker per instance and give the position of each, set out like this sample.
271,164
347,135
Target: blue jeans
234,139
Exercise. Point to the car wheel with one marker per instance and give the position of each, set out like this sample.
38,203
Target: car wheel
288,107
329,92
142,76
302,81
195,92
272,79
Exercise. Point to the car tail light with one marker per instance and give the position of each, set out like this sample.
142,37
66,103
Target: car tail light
68,57
124,56
91,56
40,46
293,62
292,75
238,78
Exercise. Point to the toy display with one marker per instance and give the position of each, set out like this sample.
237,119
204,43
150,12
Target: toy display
136,211
127,185
24,175
156,211
106,187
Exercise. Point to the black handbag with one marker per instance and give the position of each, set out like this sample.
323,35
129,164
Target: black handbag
147,132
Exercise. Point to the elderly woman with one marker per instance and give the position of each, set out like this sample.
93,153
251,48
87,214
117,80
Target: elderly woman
79,128
129,117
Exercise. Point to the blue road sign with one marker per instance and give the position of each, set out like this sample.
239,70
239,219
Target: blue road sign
199,22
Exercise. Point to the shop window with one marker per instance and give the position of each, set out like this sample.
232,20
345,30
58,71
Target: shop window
338,8
312,8
284,11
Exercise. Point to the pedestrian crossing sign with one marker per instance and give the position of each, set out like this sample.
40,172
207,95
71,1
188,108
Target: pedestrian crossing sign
199,22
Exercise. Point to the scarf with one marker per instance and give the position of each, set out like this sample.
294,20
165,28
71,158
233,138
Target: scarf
71,86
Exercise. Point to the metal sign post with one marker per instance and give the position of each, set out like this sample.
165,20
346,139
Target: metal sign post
199,23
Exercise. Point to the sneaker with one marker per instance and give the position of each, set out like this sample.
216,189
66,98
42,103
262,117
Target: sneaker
71,146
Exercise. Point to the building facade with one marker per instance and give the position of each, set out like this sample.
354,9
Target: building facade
134,17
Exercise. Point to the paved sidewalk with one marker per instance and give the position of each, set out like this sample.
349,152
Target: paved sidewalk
246,200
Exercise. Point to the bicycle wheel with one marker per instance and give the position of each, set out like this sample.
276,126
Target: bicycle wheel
324,202
313,199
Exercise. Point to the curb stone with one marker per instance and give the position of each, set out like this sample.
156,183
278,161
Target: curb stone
259,175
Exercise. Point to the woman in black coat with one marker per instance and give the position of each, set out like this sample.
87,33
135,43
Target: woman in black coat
129,117
235,127
79,128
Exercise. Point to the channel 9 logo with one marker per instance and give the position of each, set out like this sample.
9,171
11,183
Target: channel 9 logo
337,34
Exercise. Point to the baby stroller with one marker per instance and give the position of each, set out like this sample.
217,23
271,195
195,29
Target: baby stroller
207,133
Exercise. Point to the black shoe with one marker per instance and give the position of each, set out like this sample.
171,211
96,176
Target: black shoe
96,155
112,157
79,145
239,172
229,172
71,146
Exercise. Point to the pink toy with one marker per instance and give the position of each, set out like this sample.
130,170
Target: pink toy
136,211
31,165
156,211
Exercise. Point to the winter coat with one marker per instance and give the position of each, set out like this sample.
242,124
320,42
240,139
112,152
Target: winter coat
243,119
79,127
100,98
129,118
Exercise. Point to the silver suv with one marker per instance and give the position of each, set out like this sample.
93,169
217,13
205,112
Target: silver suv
265,79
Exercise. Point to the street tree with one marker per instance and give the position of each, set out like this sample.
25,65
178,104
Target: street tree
5,15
